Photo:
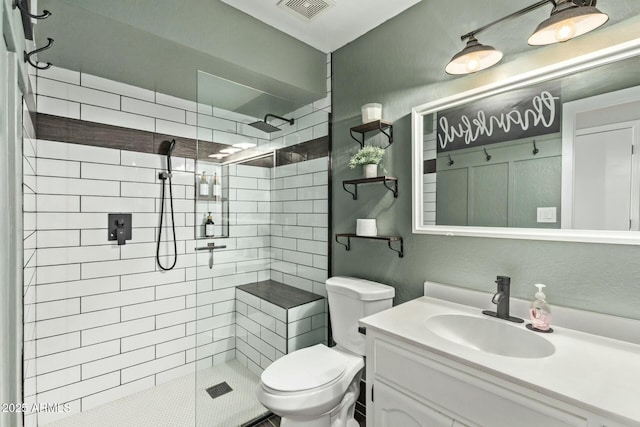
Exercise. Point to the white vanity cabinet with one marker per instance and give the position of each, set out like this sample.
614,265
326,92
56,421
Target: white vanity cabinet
395,408
408,386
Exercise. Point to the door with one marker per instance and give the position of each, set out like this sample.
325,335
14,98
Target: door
393,408
489,195
605,195
452,197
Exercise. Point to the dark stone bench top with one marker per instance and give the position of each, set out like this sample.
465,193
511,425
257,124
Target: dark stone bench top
277,293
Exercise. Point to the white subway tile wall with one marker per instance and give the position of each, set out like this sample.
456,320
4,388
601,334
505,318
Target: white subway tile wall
105,316
104,321
266,332
83,96
86,97
299,227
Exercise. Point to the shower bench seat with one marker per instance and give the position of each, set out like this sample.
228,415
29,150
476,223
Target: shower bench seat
273,319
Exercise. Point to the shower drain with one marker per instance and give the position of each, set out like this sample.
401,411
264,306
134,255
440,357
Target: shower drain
218,390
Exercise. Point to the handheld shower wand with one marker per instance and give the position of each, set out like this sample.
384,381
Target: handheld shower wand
167,174
163,176
172,145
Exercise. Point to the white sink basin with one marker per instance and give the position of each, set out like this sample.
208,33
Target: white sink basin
490,336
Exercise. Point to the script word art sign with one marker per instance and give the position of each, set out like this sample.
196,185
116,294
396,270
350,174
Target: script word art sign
509,116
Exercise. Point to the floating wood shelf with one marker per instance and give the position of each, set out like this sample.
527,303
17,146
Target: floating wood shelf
378,125
388,239
383,179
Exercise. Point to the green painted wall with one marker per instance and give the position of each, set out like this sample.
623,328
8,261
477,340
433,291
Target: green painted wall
400,64
161,44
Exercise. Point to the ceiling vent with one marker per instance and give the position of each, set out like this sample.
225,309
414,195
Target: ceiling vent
306,9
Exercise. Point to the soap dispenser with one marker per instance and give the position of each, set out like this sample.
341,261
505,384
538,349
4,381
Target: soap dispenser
208,226
540,312
204,185
217,188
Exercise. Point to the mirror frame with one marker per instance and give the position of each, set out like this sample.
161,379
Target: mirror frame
578,64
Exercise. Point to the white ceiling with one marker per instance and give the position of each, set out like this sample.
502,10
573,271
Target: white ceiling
333,28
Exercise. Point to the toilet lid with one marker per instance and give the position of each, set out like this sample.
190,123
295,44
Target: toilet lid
304,369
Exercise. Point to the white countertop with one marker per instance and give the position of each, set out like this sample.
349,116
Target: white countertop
598,374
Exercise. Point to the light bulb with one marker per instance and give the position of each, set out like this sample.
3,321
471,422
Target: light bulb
474,57
473,64
566,31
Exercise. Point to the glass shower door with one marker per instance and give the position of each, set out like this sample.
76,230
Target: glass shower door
272,220
235,197
225,381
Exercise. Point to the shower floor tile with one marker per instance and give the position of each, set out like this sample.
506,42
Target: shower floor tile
173,404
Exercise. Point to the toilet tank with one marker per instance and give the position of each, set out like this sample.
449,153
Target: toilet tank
351,299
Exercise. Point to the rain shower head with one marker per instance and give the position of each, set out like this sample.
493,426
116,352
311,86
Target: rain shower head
264,126
268,128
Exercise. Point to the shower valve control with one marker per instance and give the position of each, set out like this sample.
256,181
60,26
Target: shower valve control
120,227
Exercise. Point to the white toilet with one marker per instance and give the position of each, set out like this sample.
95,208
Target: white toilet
318,386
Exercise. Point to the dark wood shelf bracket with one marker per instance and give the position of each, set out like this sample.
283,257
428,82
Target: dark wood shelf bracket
378,125
393,187
399,252
388,239
394,190
353,193
347,245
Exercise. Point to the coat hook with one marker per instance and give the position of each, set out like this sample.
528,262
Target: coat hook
488,157
27,56
535,149
45,13
451,162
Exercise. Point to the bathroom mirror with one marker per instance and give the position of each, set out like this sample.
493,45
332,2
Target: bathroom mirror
548,156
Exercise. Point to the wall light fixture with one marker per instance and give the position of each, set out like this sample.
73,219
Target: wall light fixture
568,19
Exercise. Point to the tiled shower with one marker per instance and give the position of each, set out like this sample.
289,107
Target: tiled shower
106,321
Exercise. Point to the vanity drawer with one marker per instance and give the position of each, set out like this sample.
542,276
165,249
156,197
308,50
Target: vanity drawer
469,399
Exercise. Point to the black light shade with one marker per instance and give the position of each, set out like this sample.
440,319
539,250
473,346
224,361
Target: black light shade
567,20
474,57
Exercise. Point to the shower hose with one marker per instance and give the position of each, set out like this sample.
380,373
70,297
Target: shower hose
163,177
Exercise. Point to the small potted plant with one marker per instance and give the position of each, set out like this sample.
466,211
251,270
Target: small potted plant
369,157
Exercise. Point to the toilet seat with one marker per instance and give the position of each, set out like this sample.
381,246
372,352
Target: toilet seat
305,369
315,367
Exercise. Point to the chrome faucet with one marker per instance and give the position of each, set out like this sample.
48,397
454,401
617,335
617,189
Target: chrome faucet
501,299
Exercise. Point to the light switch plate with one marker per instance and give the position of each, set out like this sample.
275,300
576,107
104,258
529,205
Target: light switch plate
547,215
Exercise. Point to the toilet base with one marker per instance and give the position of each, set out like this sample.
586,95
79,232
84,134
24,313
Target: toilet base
322,421
340,416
